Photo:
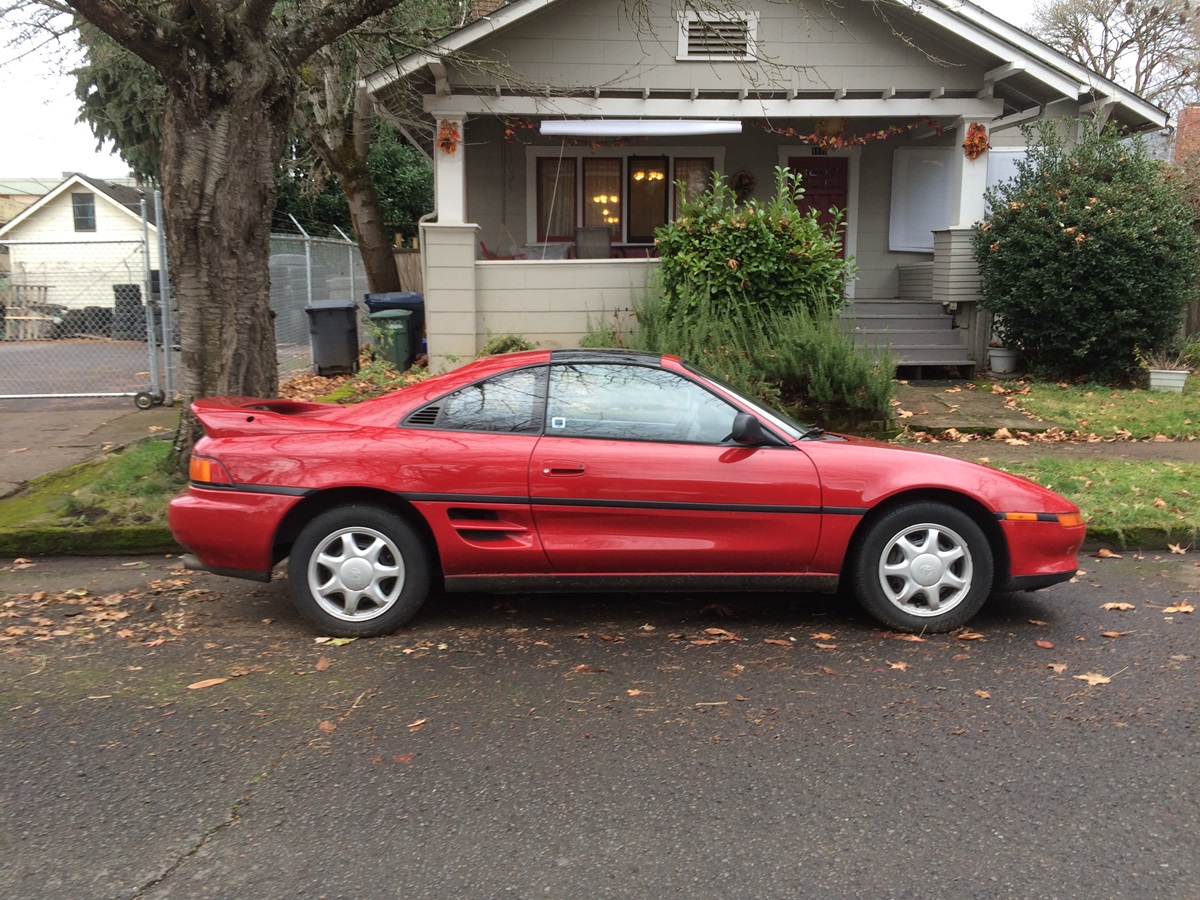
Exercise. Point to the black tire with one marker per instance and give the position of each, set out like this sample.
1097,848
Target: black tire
143,400
358,571
923,567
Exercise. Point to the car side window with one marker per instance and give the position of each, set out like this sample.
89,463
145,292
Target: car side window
635,403
506,403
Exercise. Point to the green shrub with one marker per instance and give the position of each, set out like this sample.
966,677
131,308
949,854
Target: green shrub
1087,255
740,262
802,361
504,343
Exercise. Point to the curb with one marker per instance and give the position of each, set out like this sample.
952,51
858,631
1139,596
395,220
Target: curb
114,540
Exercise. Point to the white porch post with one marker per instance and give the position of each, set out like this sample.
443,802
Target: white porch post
955,274
449,250
450,170
969,180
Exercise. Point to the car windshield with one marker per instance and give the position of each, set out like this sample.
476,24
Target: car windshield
789,426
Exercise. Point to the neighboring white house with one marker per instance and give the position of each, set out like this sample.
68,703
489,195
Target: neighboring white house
73,247
872,102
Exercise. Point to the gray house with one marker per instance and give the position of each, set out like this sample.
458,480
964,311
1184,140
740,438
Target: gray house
561,127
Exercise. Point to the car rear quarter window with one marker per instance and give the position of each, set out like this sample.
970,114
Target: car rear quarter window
505,403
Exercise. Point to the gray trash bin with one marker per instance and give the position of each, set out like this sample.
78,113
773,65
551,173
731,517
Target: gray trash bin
333,331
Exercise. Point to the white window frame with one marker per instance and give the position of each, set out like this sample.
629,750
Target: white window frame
685,19
717,154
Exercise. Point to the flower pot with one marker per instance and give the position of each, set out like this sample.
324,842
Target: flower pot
1002,360
1168,380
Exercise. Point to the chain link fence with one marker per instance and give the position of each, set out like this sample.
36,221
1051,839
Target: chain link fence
76,316
305,270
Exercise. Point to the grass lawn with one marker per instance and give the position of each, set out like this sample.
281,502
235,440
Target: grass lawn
1125,503
1105,411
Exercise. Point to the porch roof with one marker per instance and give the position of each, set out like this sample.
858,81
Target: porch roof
1022,76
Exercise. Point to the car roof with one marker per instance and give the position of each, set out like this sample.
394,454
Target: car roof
606,355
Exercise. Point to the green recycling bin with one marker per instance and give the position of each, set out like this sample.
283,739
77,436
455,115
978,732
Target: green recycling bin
391,328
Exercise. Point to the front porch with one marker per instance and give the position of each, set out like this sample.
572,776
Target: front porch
930,323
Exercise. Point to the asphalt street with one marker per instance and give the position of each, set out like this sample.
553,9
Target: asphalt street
174,734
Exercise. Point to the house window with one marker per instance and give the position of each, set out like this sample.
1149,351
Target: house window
630,195
602,194
647,197
696,175
83,207
556,199
715,36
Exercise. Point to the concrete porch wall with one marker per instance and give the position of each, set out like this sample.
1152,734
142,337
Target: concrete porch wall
553,303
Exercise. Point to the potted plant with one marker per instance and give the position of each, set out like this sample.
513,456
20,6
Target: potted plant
1168,369
1002,358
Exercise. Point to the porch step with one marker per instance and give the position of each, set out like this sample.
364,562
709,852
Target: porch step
917,331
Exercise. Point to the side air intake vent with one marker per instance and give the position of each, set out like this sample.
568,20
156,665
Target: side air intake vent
424,417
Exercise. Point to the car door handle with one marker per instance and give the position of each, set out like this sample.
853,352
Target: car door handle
562,469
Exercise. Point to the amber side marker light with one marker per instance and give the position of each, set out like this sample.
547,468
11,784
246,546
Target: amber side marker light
204,470
1066,520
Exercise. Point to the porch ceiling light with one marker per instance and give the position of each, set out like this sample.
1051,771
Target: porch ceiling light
638,127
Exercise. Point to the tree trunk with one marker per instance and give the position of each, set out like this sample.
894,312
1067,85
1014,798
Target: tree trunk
224,131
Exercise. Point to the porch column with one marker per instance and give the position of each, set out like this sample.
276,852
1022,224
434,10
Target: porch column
955,274
450,308
969,179
449,169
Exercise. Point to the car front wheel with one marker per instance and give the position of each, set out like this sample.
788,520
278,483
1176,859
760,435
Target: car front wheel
923,567
358,571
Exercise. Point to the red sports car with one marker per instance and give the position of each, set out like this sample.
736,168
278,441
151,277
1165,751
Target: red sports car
599,469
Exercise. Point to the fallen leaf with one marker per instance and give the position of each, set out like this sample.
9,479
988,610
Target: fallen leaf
335,641
1057,667
969,636
821,646
404,757
417,725
777,642
983,695
634,692
1046,645
1093,678
328,727
206,683
1176,548
915,638
902,666
1181,607
821,636
1105,553
1160,503
1037,622
1114,634
1122,607
323,663
721,632
19,450
591,670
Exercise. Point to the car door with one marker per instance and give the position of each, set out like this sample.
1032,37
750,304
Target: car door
463,463
635,474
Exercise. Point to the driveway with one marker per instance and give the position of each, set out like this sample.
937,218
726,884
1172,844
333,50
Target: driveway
173,734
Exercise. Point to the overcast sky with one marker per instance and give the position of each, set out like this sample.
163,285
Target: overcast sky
42,139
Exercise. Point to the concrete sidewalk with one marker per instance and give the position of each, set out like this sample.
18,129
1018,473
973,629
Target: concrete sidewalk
42,436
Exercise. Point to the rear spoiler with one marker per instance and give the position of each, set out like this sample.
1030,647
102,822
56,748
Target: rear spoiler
237,416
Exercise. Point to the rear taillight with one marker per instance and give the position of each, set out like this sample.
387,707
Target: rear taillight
205,470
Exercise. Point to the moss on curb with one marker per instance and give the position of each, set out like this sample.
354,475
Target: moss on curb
99,540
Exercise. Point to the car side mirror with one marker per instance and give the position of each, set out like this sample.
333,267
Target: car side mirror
747,430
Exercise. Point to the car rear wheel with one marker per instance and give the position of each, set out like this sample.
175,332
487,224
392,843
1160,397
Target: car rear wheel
923,567
358,571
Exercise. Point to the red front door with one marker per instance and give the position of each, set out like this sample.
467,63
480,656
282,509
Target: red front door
826,182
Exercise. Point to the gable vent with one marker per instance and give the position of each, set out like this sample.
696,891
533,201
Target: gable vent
717,36
424,417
